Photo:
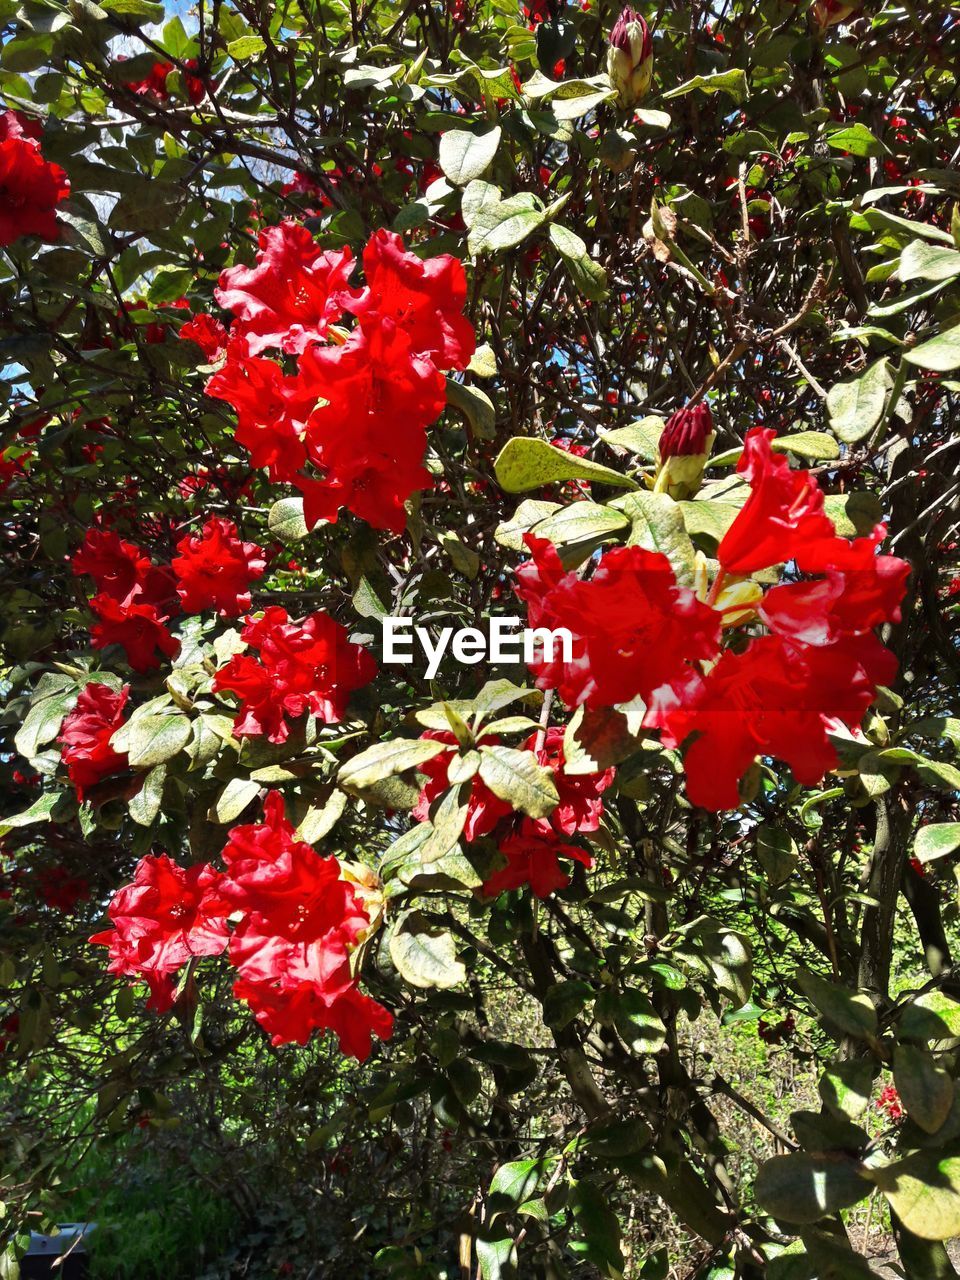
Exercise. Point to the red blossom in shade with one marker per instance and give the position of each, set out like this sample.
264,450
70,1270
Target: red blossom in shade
272,408
208,333
774,699
168,915
423,298
61,891
155,84
308,666
121,570
533,859
860,591
214,569
30,187
14,124
10,468
86,733
634,628
580,807
484,809
293,294
889,1103
138,628
783,513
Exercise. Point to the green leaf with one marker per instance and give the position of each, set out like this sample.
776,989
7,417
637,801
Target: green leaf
246,47
857,139
708,519
596,1235
42,724
320,820
931,1016
856,405
448,821
926,1089
776,853
641,438
845,1087
595,740
941,353
153,739
384,759
423,955
563,1001
658,525
639,1023
465,156
922,261
496,224
581,524
924,1192
732,82
145,805
476,406
40,811
588,276
517,778
801,1188
937,840
286,521
816,445
233,799
512,1184
135,9
851,1011
525,463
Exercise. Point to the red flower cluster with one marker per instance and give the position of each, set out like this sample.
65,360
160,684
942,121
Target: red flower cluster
534,859
359,403
214,569
638,633
86,733
580,807
155,84
30,187
889,1104
136,598
299,921
305,666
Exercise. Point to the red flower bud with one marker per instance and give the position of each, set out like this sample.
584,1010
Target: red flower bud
630,57
686,432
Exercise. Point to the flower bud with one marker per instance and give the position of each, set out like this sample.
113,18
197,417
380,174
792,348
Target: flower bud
630,58
830,13
682,451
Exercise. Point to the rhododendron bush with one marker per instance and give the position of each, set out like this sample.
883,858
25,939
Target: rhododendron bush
631,956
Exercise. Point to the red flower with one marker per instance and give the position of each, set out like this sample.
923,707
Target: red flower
860,591
774,699
121,570
783,513
301,666
166,916
293,294
155,85
209,335
30,187
424,298
285,887
272,408
634,628
137,627
215,569
292,947
60,890
86,733
534,859
889,1103
580,807
484,809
